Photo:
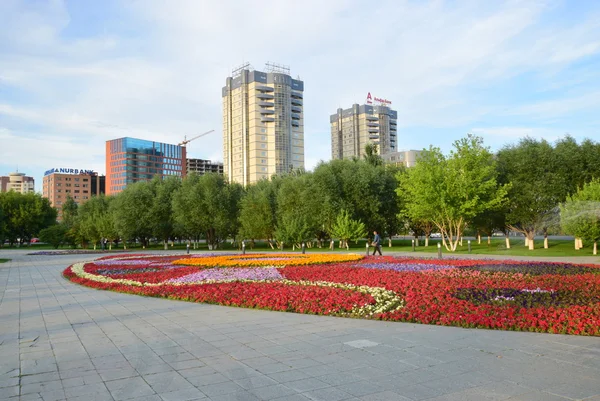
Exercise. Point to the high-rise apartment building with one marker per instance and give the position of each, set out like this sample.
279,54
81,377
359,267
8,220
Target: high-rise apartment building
263,124
130,160
201,166
61,183
352,129
17,182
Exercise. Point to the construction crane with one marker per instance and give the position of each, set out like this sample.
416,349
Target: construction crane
186,141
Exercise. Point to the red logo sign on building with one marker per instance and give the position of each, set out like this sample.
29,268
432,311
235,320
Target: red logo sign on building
369,98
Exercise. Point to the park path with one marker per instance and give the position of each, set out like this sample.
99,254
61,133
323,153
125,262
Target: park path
61,341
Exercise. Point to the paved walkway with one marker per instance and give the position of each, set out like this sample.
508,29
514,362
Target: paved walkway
62,341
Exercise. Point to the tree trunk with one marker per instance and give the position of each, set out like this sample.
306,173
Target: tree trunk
595,247
166,244
390,242
332,245
426,241
580,243
489,240
576,244
530,241
507,240
526,240
94,246
478,238
416,241
545,239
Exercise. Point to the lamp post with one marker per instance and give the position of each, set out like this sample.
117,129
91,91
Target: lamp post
243,247
439,250
367,247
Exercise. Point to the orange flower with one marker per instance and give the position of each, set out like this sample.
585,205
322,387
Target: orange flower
268,259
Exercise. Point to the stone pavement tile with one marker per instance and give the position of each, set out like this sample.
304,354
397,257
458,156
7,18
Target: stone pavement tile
594,398
124,389
53,395
384,396
192,372
40,377
538,396
41,386
273,368
418,392
337,379
116,374
272,392
8,382
7,392
192,363
288,376
309,384
183,395
448,384
178,357
80,364
582,388
144,369
205,380
360,388
86,389
166,382
294,397
240,372
327,394
105,396
237,396
218,389
255,382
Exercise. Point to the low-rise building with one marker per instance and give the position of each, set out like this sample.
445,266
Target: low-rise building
17,182
406,158
202,166
81,185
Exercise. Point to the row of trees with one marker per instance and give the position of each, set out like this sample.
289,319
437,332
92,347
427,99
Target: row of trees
525,187
520,188
339,199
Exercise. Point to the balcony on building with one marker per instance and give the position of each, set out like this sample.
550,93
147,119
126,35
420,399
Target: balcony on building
372,124
373,130
372,118
393,129
267,119
266,104
295,116
376,136
297,102
297,95
393,122
296,109
295,123
265,96
267,111
264,88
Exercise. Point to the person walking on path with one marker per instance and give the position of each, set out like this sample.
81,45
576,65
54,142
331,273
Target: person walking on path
377,243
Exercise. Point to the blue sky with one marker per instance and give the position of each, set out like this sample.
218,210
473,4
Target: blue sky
74,74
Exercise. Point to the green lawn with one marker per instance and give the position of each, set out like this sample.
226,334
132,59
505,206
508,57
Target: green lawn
497,247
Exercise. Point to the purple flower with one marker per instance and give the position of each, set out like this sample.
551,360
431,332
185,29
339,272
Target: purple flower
221,274
404,267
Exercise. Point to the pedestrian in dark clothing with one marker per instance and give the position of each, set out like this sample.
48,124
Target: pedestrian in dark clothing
377,243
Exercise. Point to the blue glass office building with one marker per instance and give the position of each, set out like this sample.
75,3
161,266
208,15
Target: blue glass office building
130,160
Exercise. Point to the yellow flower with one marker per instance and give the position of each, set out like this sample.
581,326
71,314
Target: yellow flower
268,259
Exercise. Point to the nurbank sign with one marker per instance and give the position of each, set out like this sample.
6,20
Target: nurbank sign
68,171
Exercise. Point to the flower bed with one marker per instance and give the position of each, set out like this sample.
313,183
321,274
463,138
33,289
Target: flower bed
543,297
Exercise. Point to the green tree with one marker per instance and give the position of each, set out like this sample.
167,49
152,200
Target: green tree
258,208
90,217
69,213
538,186
371,155
161,212
451,191
55,235
580,213
131,211
296,220
208,205
25,215
346,229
